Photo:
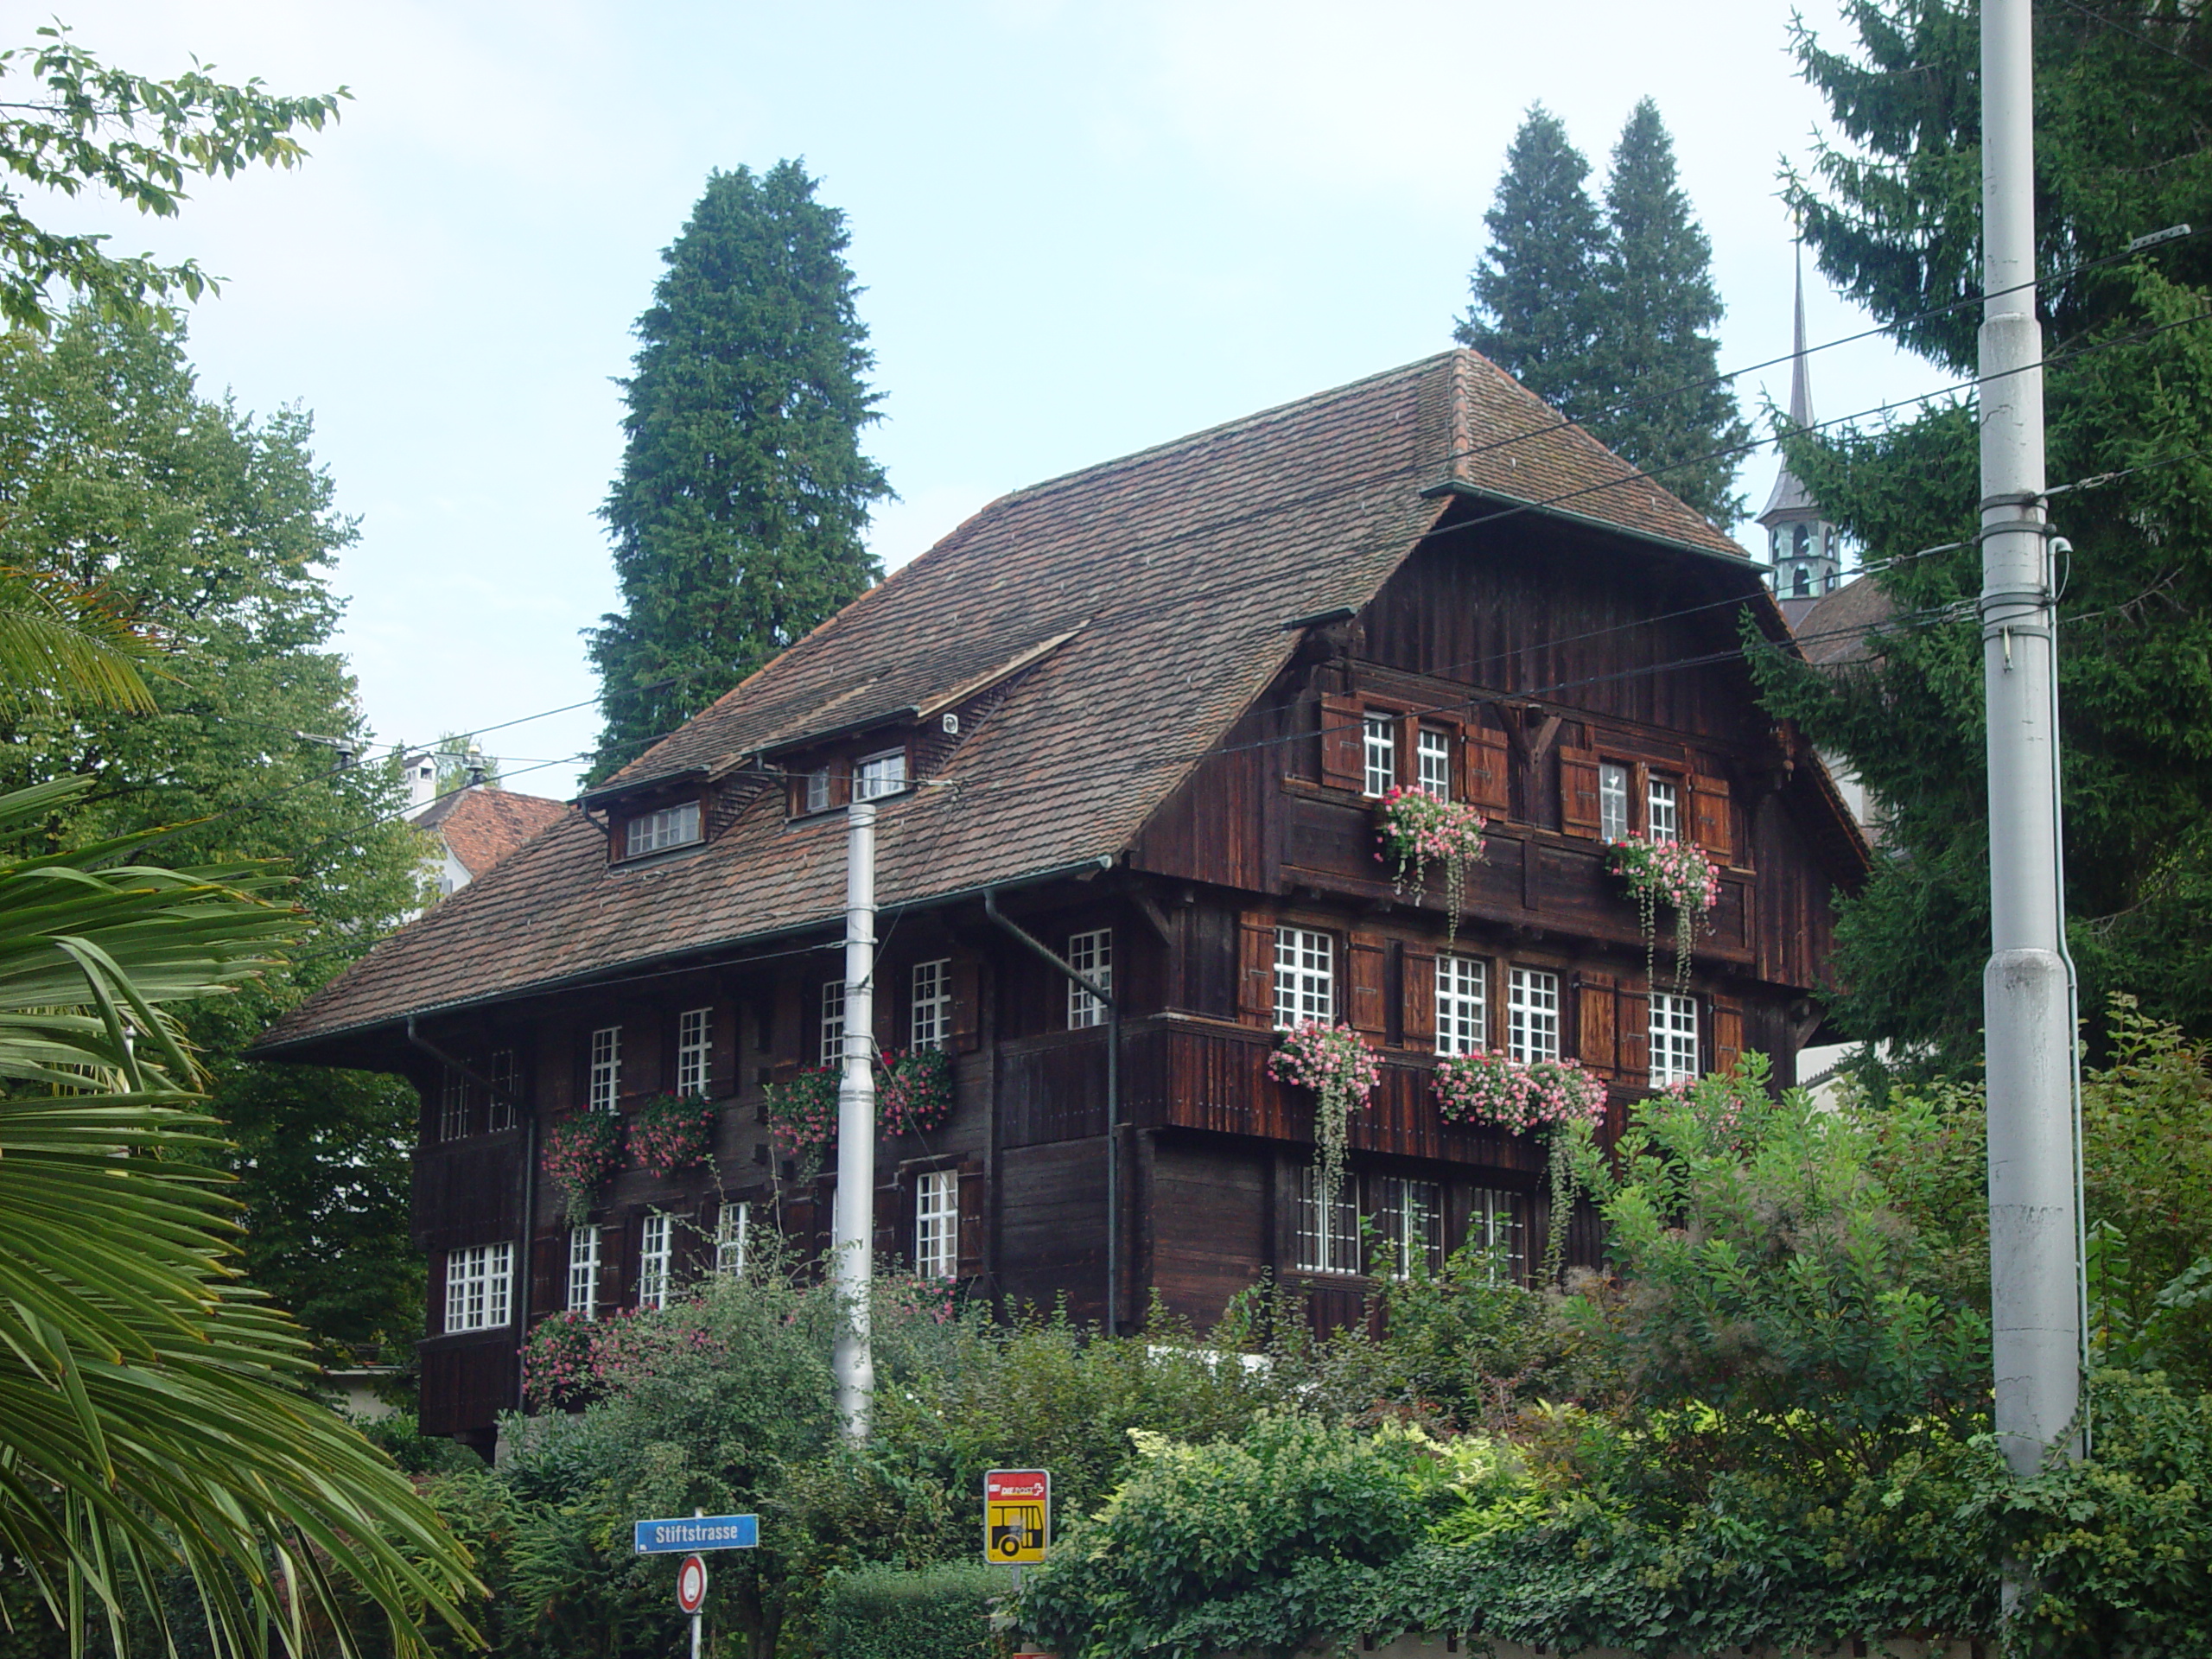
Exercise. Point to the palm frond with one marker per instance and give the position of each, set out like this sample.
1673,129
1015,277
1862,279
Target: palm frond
62,642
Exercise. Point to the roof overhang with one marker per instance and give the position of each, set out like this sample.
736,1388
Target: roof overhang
607,794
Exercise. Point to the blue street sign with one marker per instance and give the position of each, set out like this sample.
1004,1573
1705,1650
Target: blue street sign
690,1532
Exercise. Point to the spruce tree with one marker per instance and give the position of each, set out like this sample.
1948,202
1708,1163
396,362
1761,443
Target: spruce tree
1534,292
738,516
1655,309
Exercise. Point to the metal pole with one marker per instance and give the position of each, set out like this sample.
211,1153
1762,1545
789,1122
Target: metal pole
2033,1265
853,1236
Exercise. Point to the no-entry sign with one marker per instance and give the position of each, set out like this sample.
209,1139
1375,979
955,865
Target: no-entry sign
1017,1516
690,1583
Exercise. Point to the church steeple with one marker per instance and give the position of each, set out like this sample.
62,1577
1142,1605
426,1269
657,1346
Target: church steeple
1804,550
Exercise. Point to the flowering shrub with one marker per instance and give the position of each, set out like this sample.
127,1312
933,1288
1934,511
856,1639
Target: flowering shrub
672,1132
1677,873
913,1090
583,1153
1414,827
1337,1065
559,1364
1483,1087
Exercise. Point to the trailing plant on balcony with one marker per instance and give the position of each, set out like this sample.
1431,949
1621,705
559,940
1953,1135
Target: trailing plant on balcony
672,1132
1343,1071
1526,1097
560,1363
913,1090
1417,828
803,1116
1676,872
583,1153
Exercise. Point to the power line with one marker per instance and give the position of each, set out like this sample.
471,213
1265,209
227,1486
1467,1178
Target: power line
2115,23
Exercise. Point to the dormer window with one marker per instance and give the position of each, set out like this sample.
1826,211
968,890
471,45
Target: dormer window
656,831
876,775
818,790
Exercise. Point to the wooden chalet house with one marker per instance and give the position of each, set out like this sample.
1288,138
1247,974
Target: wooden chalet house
1141,713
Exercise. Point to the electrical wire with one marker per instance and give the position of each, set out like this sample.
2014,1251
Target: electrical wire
2114,24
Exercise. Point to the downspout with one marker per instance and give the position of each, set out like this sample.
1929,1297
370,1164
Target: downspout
524,1266
1113,1098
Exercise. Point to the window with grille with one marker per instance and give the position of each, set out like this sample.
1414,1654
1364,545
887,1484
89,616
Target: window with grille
1380,735
931,1024
1432,770
605,1084
1462,1005
693,1046
1673,1039
453,1103
655,1253
479,1287
583,1271
506,1088
830,1050
670,826
937,1223
818,790
1662,817
1408,1217
1330,1243
730,1222
879,774
1306,965
1493,1227
1613,801
1090,954
1532,1015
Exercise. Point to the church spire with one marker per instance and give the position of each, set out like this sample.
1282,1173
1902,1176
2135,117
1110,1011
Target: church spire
1804,549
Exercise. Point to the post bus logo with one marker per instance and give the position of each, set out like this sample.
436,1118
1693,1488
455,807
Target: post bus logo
1017,1516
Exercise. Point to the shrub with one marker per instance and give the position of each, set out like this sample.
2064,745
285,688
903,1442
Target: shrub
937,1612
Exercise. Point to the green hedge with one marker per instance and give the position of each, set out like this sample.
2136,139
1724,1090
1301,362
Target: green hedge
882,1612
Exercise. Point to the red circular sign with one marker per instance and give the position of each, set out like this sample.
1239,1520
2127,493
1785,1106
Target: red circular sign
690,1583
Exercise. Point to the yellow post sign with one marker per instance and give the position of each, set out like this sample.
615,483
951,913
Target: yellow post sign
1017,1516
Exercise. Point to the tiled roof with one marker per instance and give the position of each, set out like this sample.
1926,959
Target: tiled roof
483,826
1838,630
1171,572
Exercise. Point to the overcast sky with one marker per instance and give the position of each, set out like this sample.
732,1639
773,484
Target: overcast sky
1082,229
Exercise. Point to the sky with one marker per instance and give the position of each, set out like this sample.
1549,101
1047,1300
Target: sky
1082,230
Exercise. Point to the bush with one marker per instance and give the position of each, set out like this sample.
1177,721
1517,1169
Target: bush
940,1612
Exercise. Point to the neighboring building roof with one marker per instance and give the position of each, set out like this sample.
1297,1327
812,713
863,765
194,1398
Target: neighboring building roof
483,825
1836,630
1149,596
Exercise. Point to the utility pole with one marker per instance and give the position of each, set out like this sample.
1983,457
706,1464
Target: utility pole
2034,1264
852,1244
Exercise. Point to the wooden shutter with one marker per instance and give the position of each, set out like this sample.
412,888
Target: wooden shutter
894,1221
615,1254
1485,781
785,1040
1597,1012
1344,752
1255,968
1578,791
892,992
967,1006
1728,1033
1367,971
548,1275
1419,1011
971,1224
1711,822
1632,1029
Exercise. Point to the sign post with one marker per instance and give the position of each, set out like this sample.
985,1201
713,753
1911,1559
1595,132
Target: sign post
690,1592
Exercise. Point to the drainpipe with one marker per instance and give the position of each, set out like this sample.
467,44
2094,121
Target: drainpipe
524,1266
1113,1098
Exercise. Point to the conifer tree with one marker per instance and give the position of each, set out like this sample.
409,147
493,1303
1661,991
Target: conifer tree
1534,312
738,516
1655,309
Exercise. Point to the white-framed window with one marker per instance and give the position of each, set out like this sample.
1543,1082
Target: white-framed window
1662,816
1494,1224
1327,1243
931,1025
879,774
1379,735
1408,1219
479,1287
1462,1005
730,1222
937,1223
655,1252
1613,800
506,1088
695,1046
1532,1015
1673,1039
1090,954
606,1082
453,1103
1433,768
1306,976
668,826
583,1271
831,1048
818,790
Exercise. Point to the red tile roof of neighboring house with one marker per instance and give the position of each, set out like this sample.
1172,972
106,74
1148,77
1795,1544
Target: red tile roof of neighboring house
1161,584
483,826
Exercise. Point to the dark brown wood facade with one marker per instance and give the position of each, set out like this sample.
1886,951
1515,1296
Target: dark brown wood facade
1537,649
